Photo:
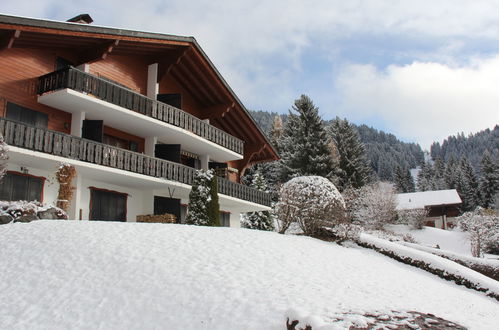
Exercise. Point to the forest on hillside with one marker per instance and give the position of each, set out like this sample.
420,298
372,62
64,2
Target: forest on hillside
472,147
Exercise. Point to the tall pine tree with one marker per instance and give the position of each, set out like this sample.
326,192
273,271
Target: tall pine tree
489,182
467,186
304,143
355,170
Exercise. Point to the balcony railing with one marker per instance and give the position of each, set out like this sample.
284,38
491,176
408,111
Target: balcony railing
105,90
68,146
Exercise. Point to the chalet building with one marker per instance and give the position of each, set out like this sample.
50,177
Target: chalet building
442,206
135,113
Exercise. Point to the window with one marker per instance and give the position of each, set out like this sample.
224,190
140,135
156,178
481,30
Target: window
224,219
120,143
115,142
17,186
27,116
107,205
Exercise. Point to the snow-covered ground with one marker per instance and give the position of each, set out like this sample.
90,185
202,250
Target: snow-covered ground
453,240
100,275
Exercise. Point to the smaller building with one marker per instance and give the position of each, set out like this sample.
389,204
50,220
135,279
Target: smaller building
442,205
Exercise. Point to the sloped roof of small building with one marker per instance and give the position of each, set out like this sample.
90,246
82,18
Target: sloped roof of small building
423,199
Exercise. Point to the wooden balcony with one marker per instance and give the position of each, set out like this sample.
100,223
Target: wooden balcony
68,146
77,80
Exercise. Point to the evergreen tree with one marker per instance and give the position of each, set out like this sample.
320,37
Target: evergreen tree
304,143
398,177
489,182
403,180
213,205
425,177
467,186
439,174
451,173
199,198
355,170
261,220
409,181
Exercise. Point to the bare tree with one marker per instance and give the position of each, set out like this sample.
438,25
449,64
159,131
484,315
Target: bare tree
482,226
374,205
415,218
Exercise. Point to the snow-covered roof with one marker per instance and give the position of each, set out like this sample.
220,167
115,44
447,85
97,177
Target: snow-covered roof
427,198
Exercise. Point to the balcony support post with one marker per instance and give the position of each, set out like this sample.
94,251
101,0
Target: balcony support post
85,67
77,123
234,220
205,160
147,203
74,209
150,145
152,81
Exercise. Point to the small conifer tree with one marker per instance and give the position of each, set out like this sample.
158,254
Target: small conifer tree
199,199
261,220
213,205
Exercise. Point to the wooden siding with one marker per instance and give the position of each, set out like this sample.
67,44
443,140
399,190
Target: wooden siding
128,71
18,76
168,85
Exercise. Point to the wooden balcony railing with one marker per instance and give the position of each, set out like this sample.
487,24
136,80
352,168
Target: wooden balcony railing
105,90
59,144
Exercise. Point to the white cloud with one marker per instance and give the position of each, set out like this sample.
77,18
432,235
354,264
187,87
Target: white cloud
423,102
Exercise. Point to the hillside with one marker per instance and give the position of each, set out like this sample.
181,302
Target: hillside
383,150
80,274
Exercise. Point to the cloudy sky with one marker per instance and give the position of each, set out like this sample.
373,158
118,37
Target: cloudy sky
421,70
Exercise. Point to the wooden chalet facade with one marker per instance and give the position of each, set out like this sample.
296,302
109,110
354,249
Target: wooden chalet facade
136,113
442,206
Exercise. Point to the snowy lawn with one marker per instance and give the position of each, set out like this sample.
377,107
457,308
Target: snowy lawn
99,275
453,240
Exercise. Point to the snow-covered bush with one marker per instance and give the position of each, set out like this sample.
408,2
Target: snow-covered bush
261,220
374,205
482,226
3,157
200,211
347,231
311,201
415,218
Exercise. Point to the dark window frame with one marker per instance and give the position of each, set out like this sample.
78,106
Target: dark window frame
125,195
41,178
21,114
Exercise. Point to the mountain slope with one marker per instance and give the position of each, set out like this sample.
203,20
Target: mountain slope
81,274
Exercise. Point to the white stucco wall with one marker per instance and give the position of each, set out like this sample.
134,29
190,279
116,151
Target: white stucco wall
138,202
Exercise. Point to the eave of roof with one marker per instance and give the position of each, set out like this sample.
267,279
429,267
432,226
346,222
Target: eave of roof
78,27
